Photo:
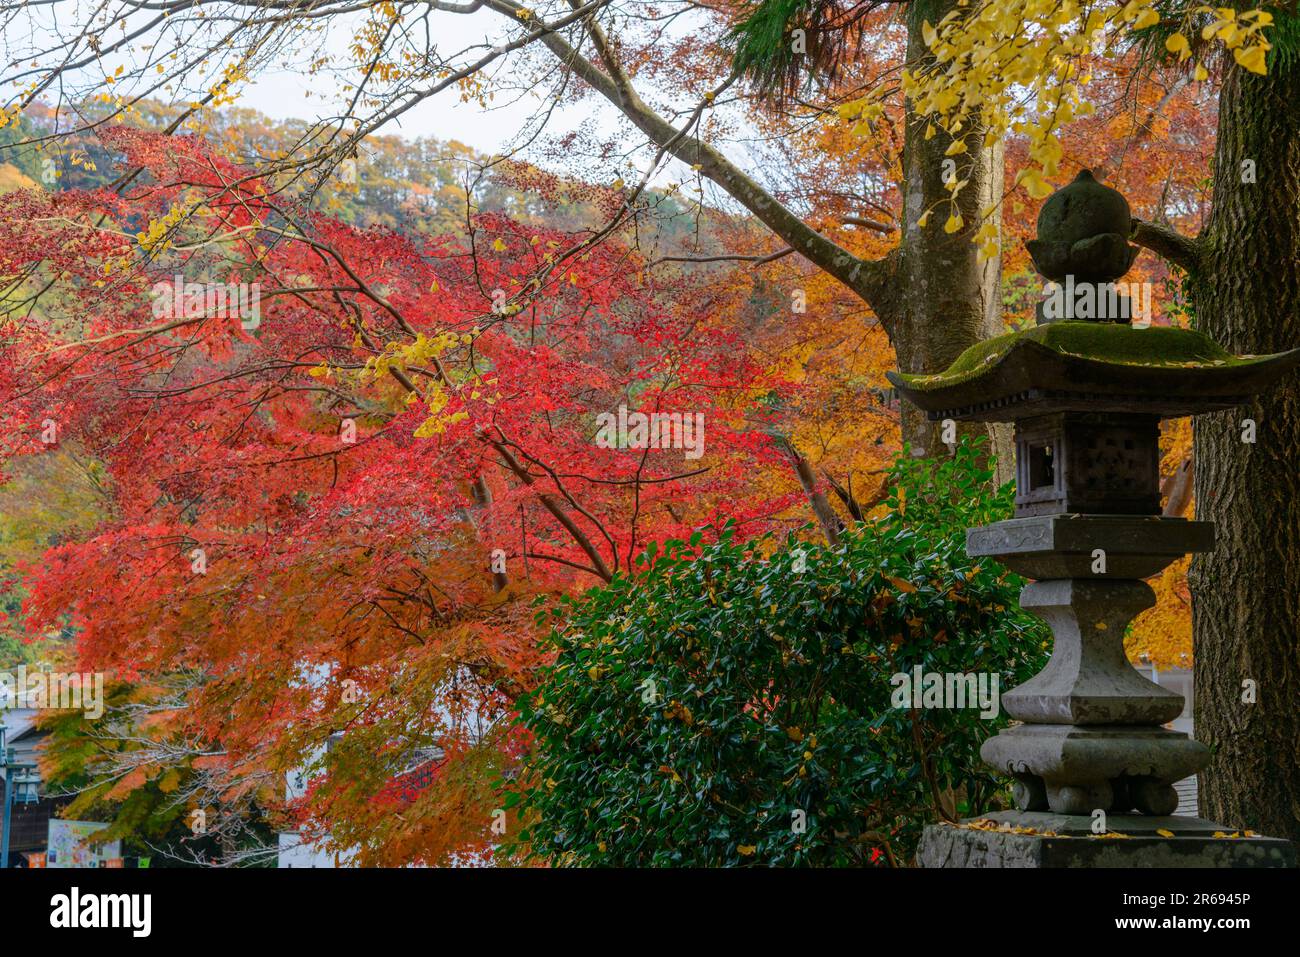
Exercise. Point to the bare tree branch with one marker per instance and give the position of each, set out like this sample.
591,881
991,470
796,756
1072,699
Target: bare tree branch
1169,244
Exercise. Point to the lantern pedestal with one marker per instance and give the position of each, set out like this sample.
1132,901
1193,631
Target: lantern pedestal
1092,736
1015,839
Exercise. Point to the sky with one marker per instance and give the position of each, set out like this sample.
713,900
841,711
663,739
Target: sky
287,94
285,89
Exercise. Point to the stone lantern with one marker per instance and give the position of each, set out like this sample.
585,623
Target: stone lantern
1086,390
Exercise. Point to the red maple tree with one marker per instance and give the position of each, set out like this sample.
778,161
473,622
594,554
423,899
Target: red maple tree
339,464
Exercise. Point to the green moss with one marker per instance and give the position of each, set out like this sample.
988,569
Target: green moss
1107,342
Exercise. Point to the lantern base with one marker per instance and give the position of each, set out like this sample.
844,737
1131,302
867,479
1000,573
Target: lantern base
1075,769
1019,839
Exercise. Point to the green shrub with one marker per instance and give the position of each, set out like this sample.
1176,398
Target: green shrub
694,710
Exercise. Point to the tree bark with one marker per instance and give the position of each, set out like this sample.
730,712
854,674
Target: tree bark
1246,594
948,300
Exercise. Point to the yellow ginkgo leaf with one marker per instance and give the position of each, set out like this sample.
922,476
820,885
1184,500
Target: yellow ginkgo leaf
1229,34
499,246
1251,59
953,224
1177,43
1035,185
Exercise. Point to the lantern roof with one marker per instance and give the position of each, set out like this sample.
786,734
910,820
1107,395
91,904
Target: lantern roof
1076,366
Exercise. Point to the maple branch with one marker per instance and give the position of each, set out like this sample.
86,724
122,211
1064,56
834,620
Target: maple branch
845,494
482,494
558,560
872,224
755,260
634,481
144,332
553,505
361,285
1144,128
826,517
1169,244
568,496
392,619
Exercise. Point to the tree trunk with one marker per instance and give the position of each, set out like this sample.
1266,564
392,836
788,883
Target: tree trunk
948,300
1246,594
